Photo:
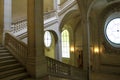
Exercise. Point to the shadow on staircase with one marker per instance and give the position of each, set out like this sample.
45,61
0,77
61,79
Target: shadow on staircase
10,68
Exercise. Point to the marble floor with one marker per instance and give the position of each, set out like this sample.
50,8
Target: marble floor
104,76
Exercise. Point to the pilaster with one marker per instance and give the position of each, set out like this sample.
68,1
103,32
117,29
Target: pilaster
84,6
1,19
7,17
36,64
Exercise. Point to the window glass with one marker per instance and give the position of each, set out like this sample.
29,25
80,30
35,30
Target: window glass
65,44
47,39
112,31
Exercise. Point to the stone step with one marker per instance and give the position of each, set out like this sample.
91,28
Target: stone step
3,58
1,47
5,54
11,72
9,67
7,62
3,51
20,76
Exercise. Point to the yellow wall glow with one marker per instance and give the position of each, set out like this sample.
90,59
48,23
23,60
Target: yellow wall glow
96,50
72,49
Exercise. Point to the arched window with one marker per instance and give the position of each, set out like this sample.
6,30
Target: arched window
47,39
112,32
65,44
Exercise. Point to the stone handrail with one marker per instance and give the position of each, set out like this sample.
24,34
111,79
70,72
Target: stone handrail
60,69
19,25
65,4
57,67
50,14
54,67
22,24
17,48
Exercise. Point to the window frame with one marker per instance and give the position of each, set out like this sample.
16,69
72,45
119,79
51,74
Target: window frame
47,39
114,44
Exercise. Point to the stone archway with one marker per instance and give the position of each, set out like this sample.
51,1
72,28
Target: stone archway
99,13
70,22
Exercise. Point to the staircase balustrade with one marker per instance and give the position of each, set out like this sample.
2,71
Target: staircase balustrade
61,69
50,14
22,24
19,25
54,67
65,4
57,67
20,49
17,48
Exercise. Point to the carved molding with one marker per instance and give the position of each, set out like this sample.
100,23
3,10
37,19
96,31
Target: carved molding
110,49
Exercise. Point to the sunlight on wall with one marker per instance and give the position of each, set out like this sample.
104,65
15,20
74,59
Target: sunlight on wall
19,9
62,1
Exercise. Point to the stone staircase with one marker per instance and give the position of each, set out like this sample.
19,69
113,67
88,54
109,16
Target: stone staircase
10,68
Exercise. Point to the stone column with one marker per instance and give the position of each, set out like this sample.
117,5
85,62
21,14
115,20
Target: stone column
36,63
7,16
83,5
55,5
58,4
60,47
56,50
86,48
1,19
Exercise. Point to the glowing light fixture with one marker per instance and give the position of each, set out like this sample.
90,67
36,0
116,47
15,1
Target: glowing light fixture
72,49
96,50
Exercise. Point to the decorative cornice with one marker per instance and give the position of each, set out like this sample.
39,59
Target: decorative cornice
63,10
110,49
50,23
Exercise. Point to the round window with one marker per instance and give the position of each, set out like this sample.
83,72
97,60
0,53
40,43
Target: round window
112,32
47,39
